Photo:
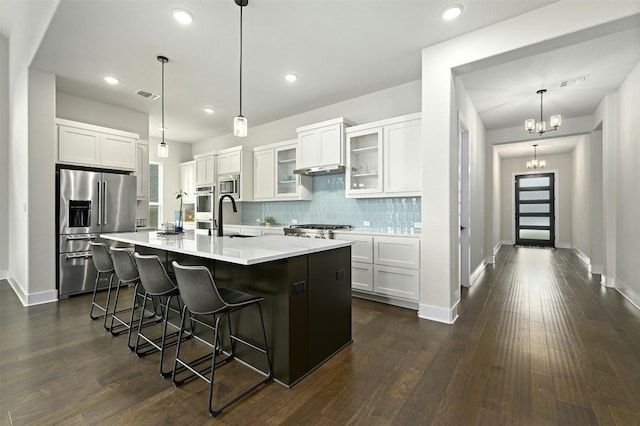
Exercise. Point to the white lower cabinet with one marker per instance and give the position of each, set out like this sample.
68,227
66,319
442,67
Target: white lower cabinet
274,231
361,276
387,266
397,282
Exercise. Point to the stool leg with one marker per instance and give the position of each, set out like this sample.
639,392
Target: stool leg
175,362
164,336
212,411
93,300
106,314
134,305
144,304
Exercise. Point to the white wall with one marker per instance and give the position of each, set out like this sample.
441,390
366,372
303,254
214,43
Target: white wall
627,180
41,193
392,102
4,154
477,177
89,111
29,23
562,165
581,197
178,153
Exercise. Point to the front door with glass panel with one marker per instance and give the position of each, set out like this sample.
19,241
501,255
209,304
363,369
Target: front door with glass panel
535,210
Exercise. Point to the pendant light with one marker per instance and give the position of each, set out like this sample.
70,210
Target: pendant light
541,127
535,164
163,148
240,122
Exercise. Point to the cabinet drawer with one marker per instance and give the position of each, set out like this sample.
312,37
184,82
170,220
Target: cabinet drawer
362,276
397,282
362,249
397,251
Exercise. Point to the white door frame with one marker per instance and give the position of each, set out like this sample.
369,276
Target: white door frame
464,214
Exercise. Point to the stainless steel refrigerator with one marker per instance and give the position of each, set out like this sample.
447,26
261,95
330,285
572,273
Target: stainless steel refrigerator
90,203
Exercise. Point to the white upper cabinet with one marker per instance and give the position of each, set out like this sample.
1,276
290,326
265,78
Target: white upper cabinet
205,173
229,163
322,144
384,158
88,145
142,169
264,177
188,180
403,157
273,173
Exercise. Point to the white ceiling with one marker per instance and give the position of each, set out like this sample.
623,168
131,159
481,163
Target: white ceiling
546,147
339,48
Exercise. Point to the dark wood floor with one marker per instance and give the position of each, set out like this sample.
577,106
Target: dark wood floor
538,342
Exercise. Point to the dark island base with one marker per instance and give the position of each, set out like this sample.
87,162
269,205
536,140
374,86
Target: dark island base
307,306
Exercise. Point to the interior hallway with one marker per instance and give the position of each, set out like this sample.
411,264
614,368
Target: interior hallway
538,341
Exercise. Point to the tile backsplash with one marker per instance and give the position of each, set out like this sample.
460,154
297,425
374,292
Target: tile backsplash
329,206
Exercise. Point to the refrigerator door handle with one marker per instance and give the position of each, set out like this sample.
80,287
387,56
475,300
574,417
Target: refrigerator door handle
99,204
79,256
80,237
105,202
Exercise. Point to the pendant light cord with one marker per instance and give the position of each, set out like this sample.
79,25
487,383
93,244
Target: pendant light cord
541,93
241,7
162,101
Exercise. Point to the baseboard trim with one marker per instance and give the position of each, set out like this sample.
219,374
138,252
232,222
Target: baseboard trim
609,282
583,257
563,245
630,296
34,298
476,274
435,313
4,275
507,243
387,300
490,260
496,249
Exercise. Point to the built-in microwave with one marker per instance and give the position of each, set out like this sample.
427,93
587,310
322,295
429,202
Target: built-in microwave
205,202
229,184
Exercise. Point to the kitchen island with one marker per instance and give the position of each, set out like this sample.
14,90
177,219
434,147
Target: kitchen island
306,285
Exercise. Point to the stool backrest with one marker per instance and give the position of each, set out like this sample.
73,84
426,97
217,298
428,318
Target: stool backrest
124,265
197,289
153,276
101,257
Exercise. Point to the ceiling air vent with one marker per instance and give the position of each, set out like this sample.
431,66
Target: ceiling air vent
147,95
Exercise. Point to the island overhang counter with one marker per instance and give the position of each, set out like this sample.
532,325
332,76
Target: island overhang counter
306,285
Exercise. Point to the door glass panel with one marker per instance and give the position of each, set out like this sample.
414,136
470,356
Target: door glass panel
534,195
534,221
534,234
534,208
532,182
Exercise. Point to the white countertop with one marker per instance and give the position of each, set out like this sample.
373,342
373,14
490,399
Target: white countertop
242,251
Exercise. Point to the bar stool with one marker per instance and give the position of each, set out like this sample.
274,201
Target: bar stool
104,265
201,297
157,285
127,273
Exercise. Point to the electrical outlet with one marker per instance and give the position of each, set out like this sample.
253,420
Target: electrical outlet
366,223
294,221
258,220
298,287
417,225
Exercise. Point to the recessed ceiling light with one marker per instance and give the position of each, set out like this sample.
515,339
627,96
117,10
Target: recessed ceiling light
182,16
111,80
209,110
452,11
291,77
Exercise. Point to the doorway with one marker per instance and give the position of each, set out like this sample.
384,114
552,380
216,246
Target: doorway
464,218
535,209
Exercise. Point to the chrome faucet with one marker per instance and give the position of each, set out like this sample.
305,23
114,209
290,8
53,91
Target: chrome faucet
235,210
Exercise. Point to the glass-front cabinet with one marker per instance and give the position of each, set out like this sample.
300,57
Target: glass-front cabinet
364,161
286,181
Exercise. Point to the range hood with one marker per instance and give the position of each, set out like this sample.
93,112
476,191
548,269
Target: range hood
321,170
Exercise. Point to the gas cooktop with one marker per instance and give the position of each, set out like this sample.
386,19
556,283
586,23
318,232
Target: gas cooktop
321,227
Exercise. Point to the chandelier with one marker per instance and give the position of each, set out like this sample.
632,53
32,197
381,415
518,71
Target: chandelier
535,164
540,127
